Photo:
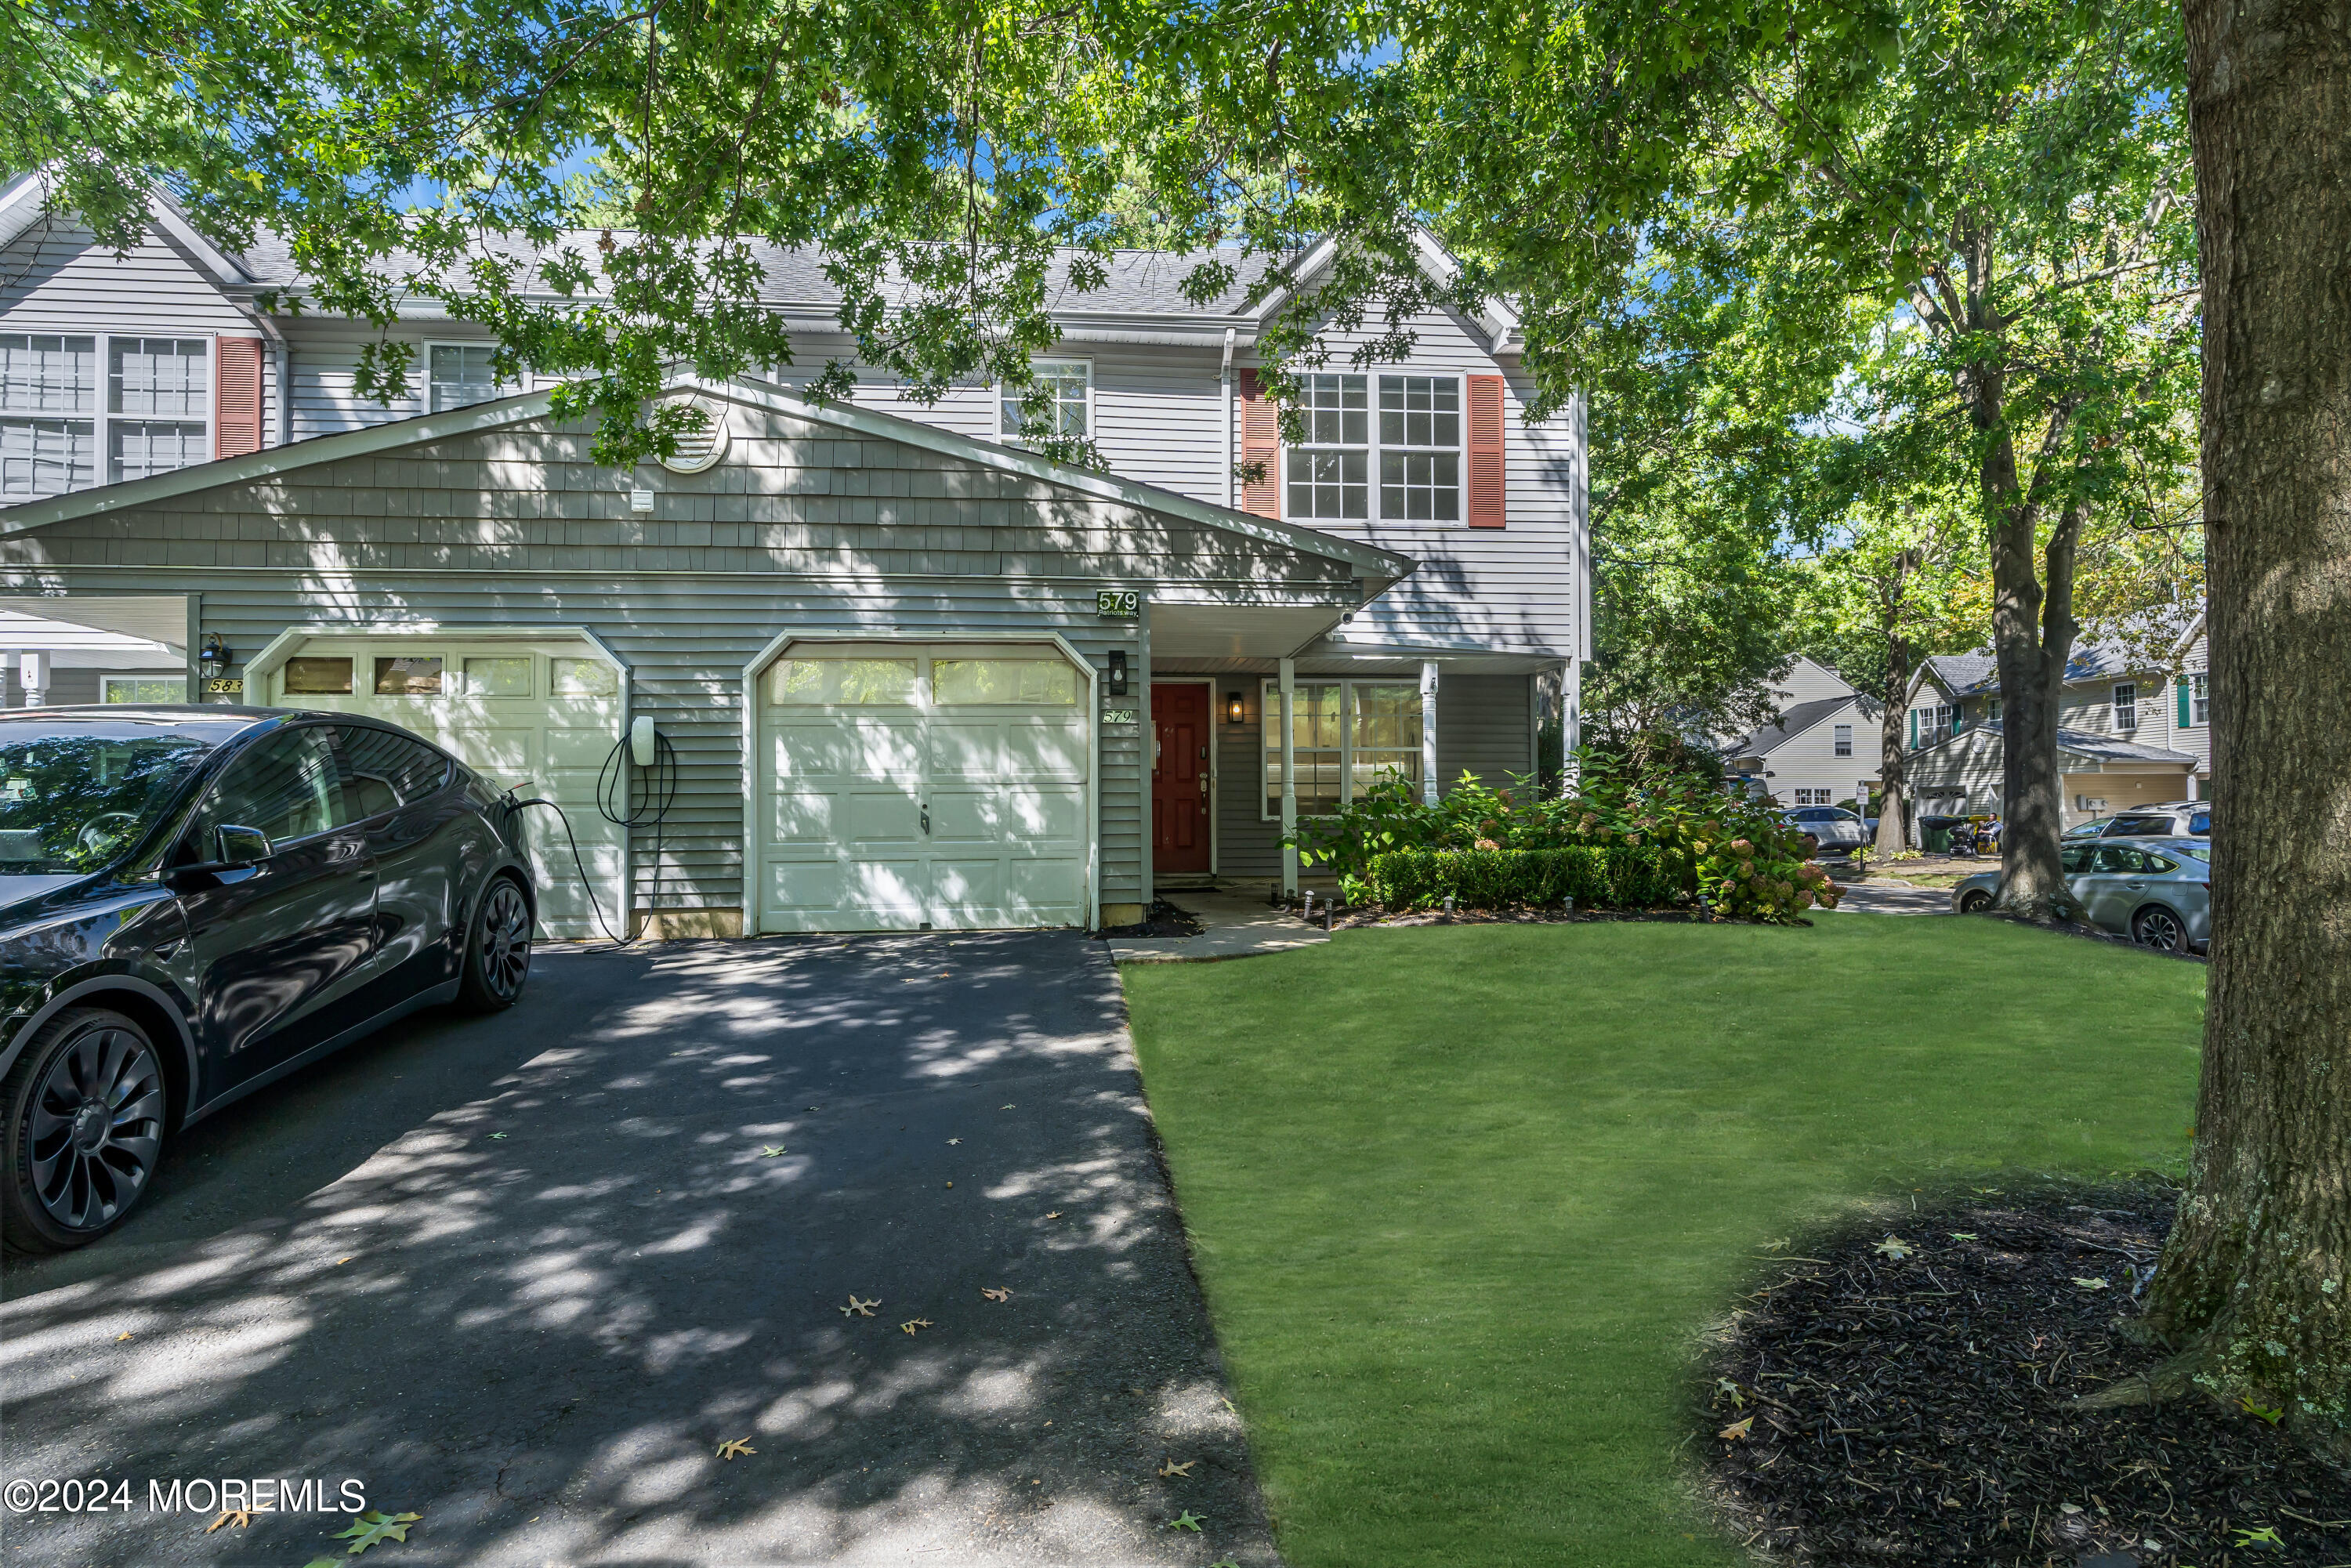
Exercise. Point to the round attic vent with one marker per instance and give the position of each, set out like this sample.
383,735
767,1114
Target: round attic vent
699,449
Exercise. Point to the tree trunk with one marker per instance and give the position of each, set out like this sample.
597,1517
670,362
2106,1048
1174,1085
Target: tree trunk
2257,1278
1894,789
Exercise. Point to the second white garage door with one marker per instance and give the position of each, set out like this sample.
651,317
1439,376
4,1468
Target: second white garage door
904,787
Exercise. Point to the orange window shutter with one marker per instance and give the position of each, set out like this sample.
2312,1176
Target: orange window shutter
1488,471
237,397
1260,449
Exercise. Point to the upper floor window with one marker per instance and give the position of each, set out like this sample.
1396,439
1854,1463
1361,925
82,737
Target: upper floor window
1929,726
459,374
1069,384
1843,743
2126,706
48,398
2200,704
1414,446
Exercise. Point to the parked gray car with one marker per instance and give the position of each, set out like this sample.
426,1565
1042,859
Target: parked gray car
2179,819
2156,892
1832,827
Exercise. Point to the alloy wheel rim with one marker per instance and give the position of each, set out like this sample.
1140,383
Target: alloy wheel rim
96,1127
506,941
2159,931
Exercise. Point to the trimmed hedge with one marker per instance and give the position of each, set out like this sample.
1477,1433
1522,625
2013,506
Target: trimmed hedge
1615,877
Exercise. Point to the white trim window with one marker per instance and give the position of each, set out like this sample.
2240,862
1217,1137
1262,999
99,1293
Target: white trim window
144,689
1420,449
1070,383
2125,707
1329,473
1414,446
1346,736
458,375
159,395
48,406
2200,704
1843,742
1814,797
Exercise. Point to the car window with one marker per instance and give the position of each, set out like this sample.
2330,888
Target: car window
382,770
285,784
2089,830
2200,823
2157,863
2114,858
2196,851
2133,827
2076,860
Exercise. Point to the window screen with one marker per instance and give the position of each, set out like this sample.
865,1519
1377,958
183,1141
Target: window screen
1420,449
1329,473
460,374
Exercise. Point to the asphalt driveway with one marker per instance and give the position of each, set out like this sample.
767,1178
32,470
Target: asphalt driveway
523,1275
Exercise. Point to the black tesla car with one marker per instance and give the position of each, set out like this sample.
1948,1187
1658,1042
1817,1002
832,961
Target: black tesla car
195,901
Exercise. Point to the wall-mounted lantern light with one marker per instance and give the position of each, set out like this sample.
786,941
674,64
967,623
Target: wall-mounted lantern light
1117,673
212,658
1236,711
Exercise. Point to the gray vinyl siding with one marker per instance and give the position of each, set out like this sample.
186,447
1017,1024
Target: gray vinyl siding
802,527
54,278
1809,760
1484,726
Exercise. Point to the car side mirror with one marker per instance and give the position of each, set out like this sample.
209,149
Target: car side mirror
233,848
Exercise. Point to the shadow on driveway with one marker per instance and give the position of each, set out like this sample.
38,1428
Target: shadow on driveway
618,1228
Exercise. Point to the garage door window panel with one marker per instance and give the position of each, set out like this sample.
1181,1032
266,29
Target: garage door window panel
498,675
406,675
1027,683
318,677
843,683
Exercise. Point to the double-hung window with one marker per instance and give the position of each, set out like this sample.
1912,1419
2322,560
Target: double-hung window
158,395
1414,447
2126,706
1843,742
1069,383
1330,471
2200,704
48,403
1347,736
459,374
1420,449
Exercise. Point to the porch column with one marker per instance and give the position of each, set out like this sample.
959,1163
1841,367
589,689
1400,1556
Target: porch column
33,670
1570,721
1428,734
2191,786
1289,776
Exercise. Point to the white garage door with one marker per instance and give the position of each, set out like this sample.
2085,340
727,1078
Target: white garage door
547,712
900,786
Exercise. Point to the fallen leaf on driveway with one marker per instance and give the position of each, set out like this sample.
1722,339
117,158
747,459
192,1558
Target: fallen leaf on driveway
770,1151
1055,1215
735,1447
120,1337
1188,1520
863,1309
498,1134
1737,1430
994,1292
1172,1468
2090,1284
237,1517
951,1142
1893,1246
911,1324
1008,1107
1963,1236
375,1527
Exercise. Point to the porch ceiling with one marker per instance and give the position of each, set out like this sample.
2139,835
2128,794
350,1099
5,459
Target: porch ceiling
151,618
1236,631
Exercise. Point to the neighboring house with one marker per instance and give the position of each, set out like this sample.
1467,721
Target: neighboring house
2128,734
1816,753
888,645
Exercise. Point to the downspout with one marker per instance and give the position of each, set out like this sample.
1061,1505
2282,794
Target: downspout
1225,377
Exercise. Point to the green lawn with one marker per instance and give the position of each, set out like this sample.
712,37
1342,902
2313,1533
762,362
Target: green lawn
1462,1197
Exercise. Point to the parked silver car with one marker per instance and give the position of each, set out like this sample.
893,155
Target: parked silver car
2179,819
1832,827
2156,892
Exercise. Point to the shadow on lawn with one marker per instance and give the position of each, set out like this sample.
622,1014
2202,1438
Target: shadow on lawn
533,1317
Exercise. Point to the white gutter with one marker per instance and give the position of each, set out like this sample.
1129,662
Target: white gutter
1226,380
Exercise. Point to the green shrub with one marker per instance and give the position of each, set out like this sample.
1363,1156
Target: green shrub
1614,843
1619,877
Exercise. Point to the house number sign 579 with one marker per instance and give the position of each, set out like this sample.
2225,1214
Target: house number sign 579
1117,603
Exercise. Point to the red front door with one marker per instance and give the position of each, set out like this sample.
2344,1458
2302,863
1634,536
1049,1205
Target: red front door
1179,783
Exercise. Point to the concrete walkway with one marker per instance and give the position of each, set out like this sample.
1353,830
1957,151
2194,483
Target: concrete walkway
1236,926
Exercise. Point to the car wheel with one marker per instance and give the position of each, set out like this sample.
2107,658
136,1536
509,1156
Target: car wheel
498,951
1975,903
2157,928
85,1106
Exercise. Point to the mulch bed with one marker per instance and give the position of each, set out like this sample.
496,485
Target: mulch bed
1162,919
1915,1408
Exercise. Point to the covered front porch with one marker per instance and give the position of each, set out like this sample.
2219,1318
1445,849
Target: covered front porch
1251,733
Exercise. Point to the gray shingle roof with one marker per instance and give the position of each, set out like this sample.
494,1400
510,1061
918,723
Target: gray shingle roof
1140,282
1794,722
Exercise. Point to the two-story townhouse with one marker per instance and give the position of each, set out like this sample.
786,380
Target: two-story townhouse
2130,732
910,673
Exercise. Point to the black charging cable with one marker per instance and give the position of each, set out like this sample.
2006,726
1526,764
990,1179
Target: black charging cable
653,792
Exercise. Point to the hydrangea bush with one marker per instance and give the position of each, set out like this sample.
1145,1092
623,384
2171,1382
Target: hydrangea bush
1743,859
